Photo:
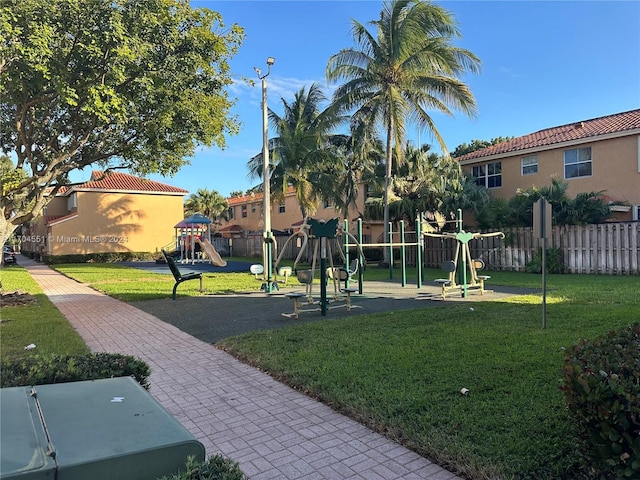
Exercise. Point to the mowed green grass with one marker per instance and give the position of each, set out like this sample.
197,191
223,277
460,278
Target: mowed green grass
132,284
39,323
401,373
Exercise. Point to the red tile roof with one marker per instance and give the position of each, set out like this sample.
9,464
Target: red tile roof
616,124
239,200
117,182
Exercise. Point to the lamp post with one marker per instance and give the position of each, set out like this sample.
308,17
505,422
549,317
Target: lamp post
266,176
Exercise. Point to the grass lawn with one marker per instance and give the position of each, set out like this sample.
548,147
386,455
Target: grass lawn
39,323
401,373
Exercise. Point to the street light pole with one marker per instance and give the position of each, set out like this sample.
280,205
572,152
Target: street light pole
266,177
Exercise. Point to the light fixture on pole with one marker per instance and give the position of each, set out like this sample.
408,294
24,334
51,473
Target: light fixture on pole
266,176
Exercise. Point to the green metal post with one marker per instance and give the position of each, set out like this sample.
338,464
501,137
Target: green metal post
390,240
464,255
403,266
419,249
323,276
360,259
346,248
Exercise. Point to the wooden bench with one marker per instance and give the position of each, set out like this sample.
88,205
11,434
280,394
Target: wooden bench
180,277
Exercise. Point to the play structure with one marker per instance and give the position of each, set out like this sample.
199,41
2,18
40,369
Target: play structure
193,241
315,235
462,270
463,265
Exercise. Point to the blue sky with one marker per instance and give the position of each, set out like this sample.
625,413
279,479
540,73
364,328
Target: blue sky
544,63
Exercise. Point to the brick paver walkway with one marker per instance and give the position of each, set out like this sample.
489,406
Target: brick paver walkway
271,430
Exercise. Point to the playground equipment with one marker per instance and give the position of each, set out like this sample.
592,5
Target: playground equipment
462,264
211,252
257,269
193,241
317,232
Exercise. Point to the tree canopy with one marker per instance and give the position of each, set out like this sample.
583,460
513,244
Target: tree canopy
136,85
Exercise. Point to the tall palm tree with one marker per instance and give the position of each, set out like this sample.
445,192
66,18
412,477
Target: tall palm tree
207,202
351,165
299,148
405,68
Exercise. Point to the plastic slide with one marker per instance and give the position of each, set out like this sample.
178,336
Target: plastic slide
211,252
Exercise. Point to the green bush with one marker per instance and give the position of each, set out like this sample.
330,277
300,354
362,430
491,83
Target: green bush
47,369
216,468
553,260
602,390
107,257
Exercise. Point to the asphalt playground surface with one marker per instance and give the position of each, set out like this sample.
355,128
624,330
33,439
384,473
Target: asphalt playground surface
211,318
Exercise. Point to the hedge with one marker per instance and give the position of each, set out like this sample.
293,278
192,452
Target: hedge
47,369
602,390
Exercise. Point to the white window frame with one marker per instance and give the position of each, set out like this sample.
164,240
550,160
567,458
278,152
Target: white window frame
281,208
580,160
529,165
485,176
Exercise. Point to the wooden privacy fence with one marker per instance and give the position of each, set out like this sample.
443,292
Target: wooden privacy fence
606,248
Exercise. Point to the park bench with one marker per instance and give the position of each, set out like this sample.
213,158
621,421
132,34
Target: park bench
178,276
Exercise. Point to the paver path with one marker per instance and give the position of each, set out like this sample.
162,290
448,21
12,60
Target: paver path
271,430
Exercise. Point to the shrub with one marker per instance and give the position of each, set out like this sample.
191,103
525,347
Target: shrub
602,390
553,261
216,468
47,369
107,257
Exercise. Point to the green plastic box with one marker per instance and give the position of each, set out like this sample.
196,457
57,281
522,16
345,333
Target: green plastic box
103,429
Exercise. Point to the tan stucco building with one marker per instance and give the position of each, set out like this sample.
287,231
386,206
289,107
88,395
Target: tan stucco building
245,215
590,156
112,212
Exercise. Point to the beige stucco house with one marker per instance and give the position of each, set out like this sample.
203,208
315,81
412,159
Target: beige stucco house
245,215
112,212
589,155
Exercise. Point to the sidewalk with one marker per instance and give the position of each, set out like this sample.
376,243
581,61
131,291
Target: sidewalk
271,430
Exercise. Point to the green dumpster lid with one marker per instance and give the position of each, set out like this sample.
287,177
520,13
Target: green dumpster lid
25,449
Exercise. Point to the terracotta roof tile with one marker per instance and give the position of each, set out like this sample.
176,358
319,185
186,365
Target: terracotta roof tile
610,124
253,197
117,181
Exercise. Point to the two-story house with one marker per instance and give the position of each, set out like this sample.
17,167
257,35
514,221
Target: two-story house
590,155
112,212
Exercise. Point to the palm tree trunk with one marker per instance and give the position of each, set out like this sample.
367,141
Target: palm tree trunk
387,191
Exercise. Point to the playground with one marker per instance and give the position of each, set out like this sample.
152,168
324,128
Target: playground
214,317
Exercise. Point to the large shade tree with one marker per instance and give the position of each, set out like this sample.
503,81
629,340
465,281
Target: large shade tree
136,85
300,148
397,73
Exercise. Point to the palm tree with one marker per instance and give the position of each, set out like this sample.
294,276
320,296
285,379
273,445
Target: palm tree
407,67
351,165
299,149
207,202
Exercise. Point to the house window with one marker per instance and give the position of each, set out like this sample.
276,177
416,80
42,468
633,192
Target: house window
577,162
253,208
489,175
231,213
636,213
244,211
327,204
281,208
529,165
72,202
